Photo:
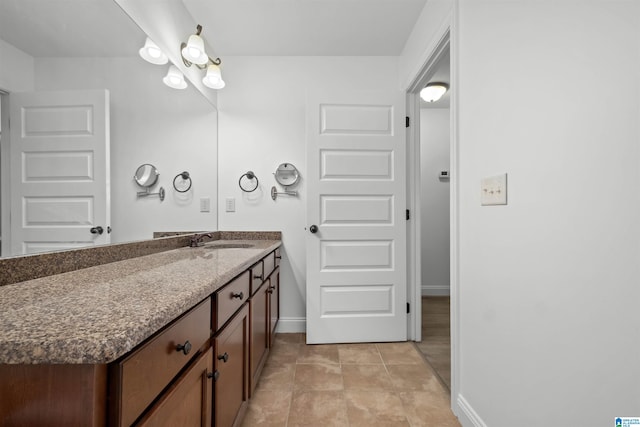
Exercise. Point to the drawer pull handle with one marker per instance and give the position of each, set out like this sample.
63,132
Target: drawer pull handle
239,296
185,348
270,291
215,375
258,277
278,257
224,357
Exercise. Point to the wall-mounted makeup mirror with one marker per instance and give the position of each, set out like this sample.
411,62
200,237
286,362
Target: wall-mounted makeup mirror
146,175
286,174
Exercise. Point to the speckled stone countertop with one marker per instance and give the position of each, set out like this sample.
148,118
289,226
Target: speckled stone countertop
97,314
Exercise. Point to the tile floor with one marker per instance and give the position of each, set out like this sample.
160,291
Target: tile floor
436,336
387,384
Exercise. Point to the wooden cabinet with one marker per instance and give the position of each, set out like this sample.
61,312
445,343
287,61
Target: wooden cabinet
259,305
188,403
231,347
199,370
139,378
274,304
264,313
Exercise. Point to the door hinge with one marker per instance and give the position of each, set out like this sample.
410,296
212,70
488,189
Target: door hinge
408,308
408,215
406,121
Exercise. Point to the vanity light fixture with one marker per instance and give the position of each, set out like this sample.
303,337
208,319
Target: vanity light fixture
150,52
174,78
433,91
193,53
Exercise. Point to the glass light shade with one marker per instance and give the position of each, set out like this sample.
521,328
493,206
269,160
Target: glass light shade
194,50
213,78
433,91
150,52
174,78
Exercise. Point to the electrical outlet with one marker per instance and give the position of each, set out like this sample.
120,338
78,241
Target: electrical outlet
493,190
205,204
230,204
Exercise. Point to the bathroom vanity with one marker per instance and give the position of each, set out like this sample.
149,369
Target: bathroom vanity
173,338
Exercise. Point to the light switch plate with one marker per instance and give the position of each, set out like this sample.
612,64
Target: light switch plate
205,204
493,190
230,204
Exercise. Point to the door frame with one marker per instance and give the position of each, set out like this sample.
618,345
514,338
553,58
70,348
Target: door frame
5,175
444,38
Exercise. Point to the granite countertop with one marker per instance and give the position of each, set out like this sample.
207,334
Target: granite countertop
97,314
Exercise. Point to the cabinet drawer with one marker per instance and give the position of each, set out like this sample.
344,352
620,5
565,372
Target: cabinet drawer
278,257
269,264
189,401
257,276
230,298
147,371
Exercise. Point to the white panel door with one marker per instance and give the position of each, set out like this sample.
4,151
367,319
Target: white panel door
59,170
356,238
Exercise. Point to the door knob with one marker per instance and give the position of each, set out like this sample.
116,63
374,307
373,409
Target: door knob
97,230
313,229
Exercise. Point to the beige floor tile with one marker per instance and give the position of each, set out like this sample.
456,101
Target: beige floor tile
268,408
365,377
374,408
319,354
318,408
284,353
318,377
359,353
277,376
413,377
400,353
428,409
290,338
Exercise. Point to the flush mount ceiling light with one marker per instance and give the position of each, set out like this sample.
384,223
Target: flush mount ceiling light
433,91
150,52
174,78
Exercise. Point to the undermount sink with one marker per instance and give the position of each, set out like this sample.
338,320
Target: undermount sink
229,245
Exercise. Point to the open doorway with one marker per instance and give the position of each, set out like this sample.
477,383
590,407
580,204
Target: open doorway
432,201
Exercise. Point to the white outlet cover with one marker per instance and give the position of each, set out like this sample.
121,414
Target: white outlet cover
493,190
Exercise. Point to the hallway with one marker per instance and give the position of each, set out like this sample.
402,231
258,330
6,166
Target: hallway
436,336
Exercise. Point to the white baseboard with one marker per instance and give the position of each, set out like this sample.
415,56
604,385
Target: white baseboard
436,291
289,325
466,415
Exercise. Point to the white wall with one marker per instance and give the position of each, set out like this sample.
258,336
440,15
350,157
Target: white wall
434,209
175,130
262,124
16,69
549,283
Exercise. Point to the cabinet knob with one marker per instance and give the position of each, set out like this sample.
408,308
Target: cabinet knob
239,296
97,230
224,357
313,229
185,348
215,375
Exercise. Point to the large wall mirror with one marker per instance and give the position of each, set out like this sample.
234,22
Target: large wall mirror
91,46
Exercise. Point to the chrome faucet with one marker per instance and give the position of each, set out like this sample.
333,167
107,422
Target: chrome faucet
196,239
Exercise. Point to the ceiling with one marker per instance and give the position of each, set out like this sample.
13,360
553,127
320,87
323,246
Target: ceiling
69,28
306,27
232,27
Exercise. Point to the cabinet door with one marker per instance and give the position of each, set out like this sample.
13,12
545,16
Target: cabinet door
188,402
231,363
259,306
274,304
